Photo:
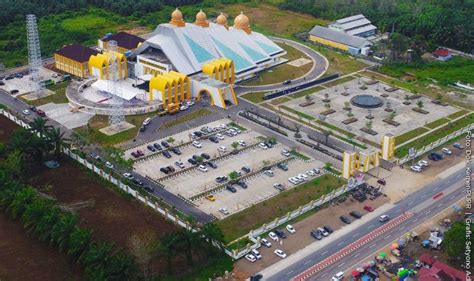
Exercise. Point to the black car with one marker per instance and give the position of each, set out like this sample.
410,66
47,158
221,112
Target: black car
241,183
246,169
328,229
198,134
137,181
171,169
205,156
355,214
175,150
142,129
282,166
221,179
345,219
213,139
280,233
256,277
165,144
166,154
151,148
149,189
33,108
317,234
192,161
164,170
231,188
157,146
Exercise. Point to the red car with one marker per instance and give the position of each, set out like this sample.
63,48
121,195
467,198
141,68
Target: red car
368,208
41,113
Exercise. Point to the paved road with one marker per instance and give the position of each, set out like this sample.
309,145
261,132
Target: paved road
320,65
201,217
420,202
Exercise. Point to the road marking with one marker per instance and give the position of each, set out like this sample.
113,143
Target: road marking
325,252
373,245
324,274
356,234
414,220
388,236
452,197
423,196
341,265
290,272
440,204
409,203
372,225
428,212
356,255
306,263
436,187
340,243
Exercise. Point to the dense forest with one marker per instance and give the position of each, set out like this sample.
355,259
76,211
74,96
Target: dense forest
445,22
11,11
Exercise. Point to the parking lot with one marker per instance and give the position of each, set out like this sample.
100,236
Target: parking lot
20,83
193,183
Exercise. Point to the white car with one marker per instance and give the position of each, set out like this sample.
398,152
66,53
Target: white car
293,180
384,218
202,168
317,171
423,163
179,164
109,165
290,229
147,121
266,243
416,168
197,144
224,211
273,236
220,136
128,176
183,107
190,103
222,148
280,253
26,112
256,253
285,152
311,173
262,145
302,177
237,130
323,231
250,258
339,276
242,143
447,151
269,173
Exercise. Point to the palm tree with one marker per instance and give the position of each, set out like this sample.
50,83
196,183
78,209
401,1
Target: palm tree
21,200
62,229
214,233
167,246
43,227
97,255
79,242
187,240
419,104
57,139
39,126
120,267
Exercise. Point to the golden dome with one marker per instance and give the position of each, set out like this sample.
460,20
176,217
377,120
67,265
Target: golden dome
221,19
201,19
177,18
242,22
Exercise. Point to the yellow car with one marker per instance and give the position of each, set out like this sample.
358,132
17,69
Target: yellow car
211,198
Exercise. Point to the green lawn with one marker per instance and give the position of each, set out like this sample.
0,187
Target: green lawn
280,100
299,113
93,135
235,125
187,117
409,135
435,135
338,63
437,123
256,97
456,69
58,97
458,114
251,218
299,155
339,81
306,92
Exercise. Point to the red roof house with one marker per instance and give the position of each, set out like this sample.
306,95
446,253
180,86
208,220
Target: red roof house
435,270
442,54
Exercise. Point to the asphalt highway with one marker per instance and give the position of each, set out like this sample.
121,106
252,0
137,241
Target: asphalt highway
421,203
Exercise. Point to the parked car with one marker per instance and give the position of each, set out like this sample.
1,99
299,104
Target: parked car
323,231
273,236
339,276
167,154
134,154
197,144
416,168
231,188
302,177
355,214
282,166
280,233
137,181
151,148
422,163
381,181
221,179
279,186
33,108
202,168
205,156
293,180
345,219
316,234
146,121
290,229
41,113
171,169
446,150
262,146
139,152
384,218
311,173
222,148
142,129
211,198
149,189
213,139
265,242
179,164
242,143
250,258
192,161
368,208
328,229
241,183
286,82
224,211
164,170
256,253
280,253
246,169
212,164
128,176
165,144
435,156
219,136
269,173
109,165
285,152
458,145
26,112
157,146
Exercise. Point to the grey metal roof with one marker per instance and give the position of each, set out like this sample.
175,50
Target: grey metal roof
338,36
354,24
351,18
361,29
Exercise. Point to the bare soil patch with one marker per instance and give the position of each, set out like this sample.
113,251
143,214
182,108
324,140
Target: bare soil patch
6,129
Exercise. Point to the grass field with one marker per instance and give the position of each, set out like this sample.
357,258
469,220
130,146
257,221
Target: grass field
58,97
256,97
456,69
338,63
339,81
93,135
281,100
306,92
299,113
435,135
410,135
437,123
242,222
282,72
187,117
458,114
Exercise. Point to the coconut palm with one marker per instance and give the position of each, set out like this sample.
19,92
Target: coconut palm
56,138
212,232
120,267
97,255
79,242
22,199
43,227
34,214
62,229
39,126
168,248
187,241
